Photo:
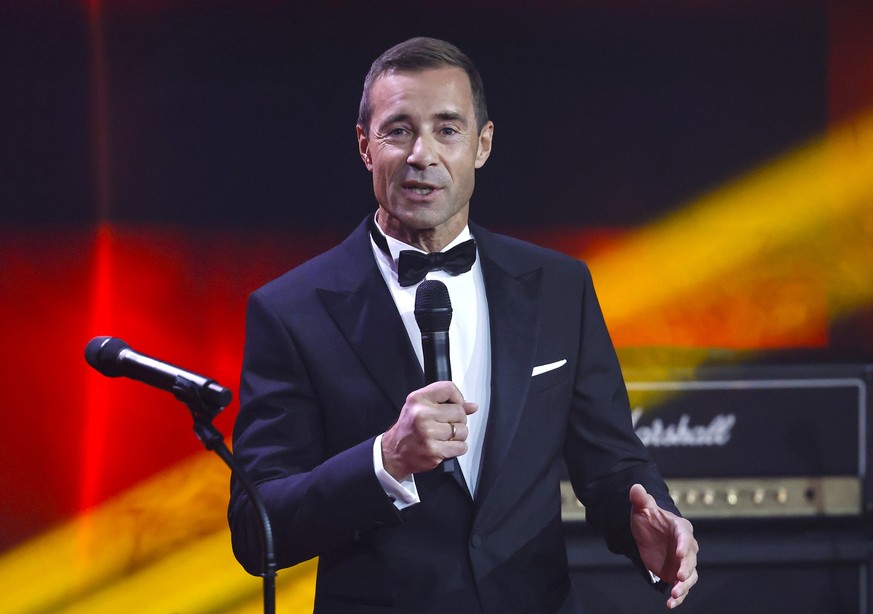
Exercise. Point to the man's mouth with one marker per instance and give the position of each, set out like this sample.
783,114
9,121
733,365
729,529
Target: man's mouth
419,189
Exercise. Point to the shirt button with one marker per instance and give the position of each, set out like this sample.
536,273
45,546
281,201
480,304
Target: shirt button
475,541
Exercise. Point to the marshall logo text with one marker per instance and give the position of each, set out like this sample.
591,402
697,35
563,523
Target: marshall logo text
682,433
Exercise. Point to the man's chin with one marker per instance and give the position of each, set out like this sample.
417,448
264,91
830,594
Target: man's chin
424,217
419,217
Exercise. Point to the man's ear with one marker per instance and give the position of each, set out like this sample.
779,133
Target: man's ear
364,146
484,149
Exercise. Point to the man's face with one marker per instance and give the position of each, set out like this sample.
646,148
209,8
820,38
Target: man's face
423,148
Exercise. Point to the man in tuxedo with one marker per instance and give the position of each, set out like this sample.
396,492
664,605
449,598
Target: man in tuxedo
440,497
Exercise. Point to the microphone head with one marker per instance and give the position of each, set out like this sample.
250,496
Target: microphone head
102,354
433,308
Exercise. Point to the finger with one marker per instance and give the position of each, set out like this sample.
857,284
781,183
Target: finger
451,449
686,545
686,585
680,590
449,413
677,595
436,393
446,392
457,432
470,408
686,578
686,552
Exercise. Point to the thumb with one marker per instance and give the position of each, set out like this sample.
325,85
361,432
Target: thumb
640,499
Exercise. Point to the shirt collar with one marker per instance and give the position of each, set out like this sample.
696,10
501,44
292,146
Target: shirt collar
395,246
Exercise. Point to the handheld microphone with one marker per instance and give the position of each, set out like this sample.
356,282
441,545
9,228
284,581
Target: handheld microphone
114,358
433,313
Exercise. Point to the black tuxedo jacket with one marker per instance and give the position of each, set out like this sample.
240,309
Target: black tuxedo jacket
327,367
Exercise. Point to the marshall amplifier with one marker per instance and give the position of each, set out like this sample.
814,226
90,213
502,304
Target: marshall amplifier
747,442
771,464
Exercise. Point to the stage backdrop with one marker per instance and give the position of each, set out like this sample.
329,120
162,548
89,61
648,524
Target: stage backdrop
712,162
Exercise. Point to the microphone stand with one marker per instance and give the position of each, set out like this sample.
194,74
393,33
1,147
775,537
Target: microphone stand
203,412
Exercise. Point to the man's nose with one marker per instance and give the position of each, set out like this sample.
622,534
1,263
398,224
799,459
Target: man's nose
423,152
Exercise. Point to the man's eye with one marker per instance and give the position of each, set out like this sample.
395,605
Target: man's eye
397,132
448,131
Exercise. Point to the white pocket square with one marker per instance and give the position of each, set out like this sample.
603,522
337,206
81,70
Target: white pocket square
539,370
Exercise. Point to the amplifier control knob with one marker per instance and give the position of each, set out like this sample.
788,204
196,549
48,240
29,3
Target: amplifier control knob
708,497
782,495
732,497
758,496
691,497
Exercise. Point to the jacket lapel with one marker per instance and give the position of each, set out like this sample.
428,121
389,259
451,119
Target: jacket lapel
362,308
513,290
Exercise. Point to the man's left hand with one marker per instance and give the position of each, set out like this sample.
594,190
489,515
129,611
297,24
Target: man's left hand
666,544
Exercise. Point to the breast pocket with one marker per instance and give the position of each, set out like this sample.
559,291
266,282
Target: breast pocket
549,375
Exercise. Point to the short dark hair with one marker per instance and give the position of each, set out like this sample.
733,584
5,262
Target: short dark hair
418,54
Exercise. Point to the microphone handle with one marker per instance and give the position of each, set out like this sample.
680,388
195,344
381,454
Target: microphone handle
437,368
435,350
163,375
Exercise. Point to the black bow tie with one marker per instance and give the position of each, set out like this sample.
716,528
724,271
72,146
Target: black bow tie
413,266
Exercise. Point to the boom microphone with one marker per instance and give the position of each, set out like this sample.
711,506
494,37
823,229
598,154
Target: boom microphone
114,358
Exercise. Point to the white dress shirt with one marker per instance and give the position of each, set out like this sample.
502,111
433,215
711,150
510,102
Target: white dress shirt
469,353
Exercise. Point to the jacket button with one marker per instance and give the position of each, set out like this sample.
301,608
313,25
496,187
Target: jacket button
475,541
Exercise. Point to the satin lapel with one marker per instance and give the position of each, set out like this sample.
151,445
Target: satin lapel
513,299
368,318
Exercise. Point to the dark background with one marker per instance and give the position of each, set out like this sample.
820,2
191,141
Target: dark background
607,114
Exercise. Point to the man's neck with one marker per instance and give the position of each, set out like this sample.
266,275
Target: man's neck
426,239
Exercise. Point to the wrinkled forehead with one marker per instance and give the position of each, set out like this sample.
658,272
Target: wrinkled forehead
422,93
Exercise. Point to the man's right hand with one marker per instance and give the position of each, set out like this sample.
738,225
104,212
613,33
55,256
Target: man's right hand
422,436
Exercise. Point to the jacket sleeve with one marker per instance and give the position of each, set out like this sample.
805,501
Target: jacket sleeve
316,503
603,454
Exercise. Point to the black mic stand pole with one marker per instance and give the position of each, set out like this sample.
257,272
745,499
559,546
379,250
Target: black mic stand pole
203,413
